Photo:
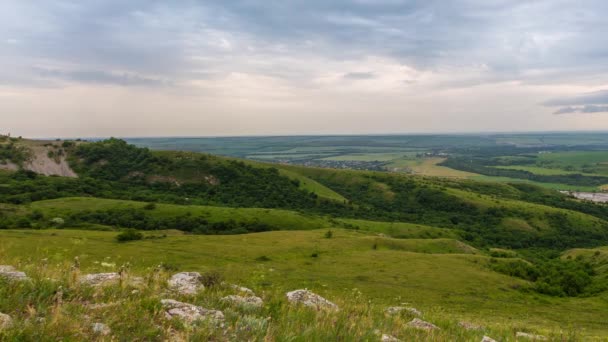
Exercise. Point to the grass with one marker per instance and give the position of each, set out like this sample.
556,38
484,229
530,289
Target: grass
361,279
312,185
284,219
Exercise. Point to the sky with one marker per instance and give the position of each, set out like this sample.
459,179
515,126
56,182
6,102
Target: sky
96,68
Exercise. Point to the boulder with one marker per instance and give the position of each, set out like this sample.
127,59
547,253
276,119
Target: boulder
5,321
186,283
389,338
310,299
532,337
420,324
190,313
10,273
487,339
101,329
394,310
251,301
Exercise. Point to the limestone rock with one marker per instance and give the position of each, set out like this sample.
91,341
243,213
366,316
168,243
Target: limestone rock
251,301
310,299
5,321
101,329
100,279
487,339
389,338
420,324
10,273
530,336
186,283
190,313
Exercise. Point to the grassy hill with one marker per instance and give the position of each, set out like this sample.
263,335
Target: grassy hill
447,285
513,257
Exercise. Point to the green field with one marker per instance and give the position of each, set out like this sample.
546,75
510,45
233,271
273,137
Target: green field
448,281
510,256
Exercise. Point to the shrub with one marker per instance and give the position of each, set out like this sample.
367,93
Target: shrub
150,206
129,235
329,234
211,278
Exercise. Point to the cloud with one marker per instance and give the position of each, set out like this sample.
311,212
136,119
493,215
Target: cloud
582,109
359,75
100,77
524,41
597,97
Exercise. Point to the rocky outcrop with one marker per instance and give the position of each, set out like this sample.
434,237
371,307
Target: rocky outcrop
420,324
250,301
10,273
190,313
307,298
487,339
186,283
532,337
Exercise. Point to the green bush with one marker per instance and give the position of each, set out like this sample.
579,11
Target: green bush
129,235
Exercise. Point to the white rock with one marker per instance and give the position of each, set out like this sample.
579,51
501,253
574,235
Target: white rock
6,268
389,338
100,279
5,321
10,273
420,324
186,283
310,299
394,310
252,301
190,313
487,339
101,329
530,336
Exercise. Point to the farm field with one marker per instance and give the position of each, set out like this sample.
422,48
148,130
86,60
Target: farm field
553,159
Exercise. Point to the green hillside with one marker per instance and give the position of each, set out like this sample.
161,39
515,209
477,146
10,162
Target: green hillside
456,249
